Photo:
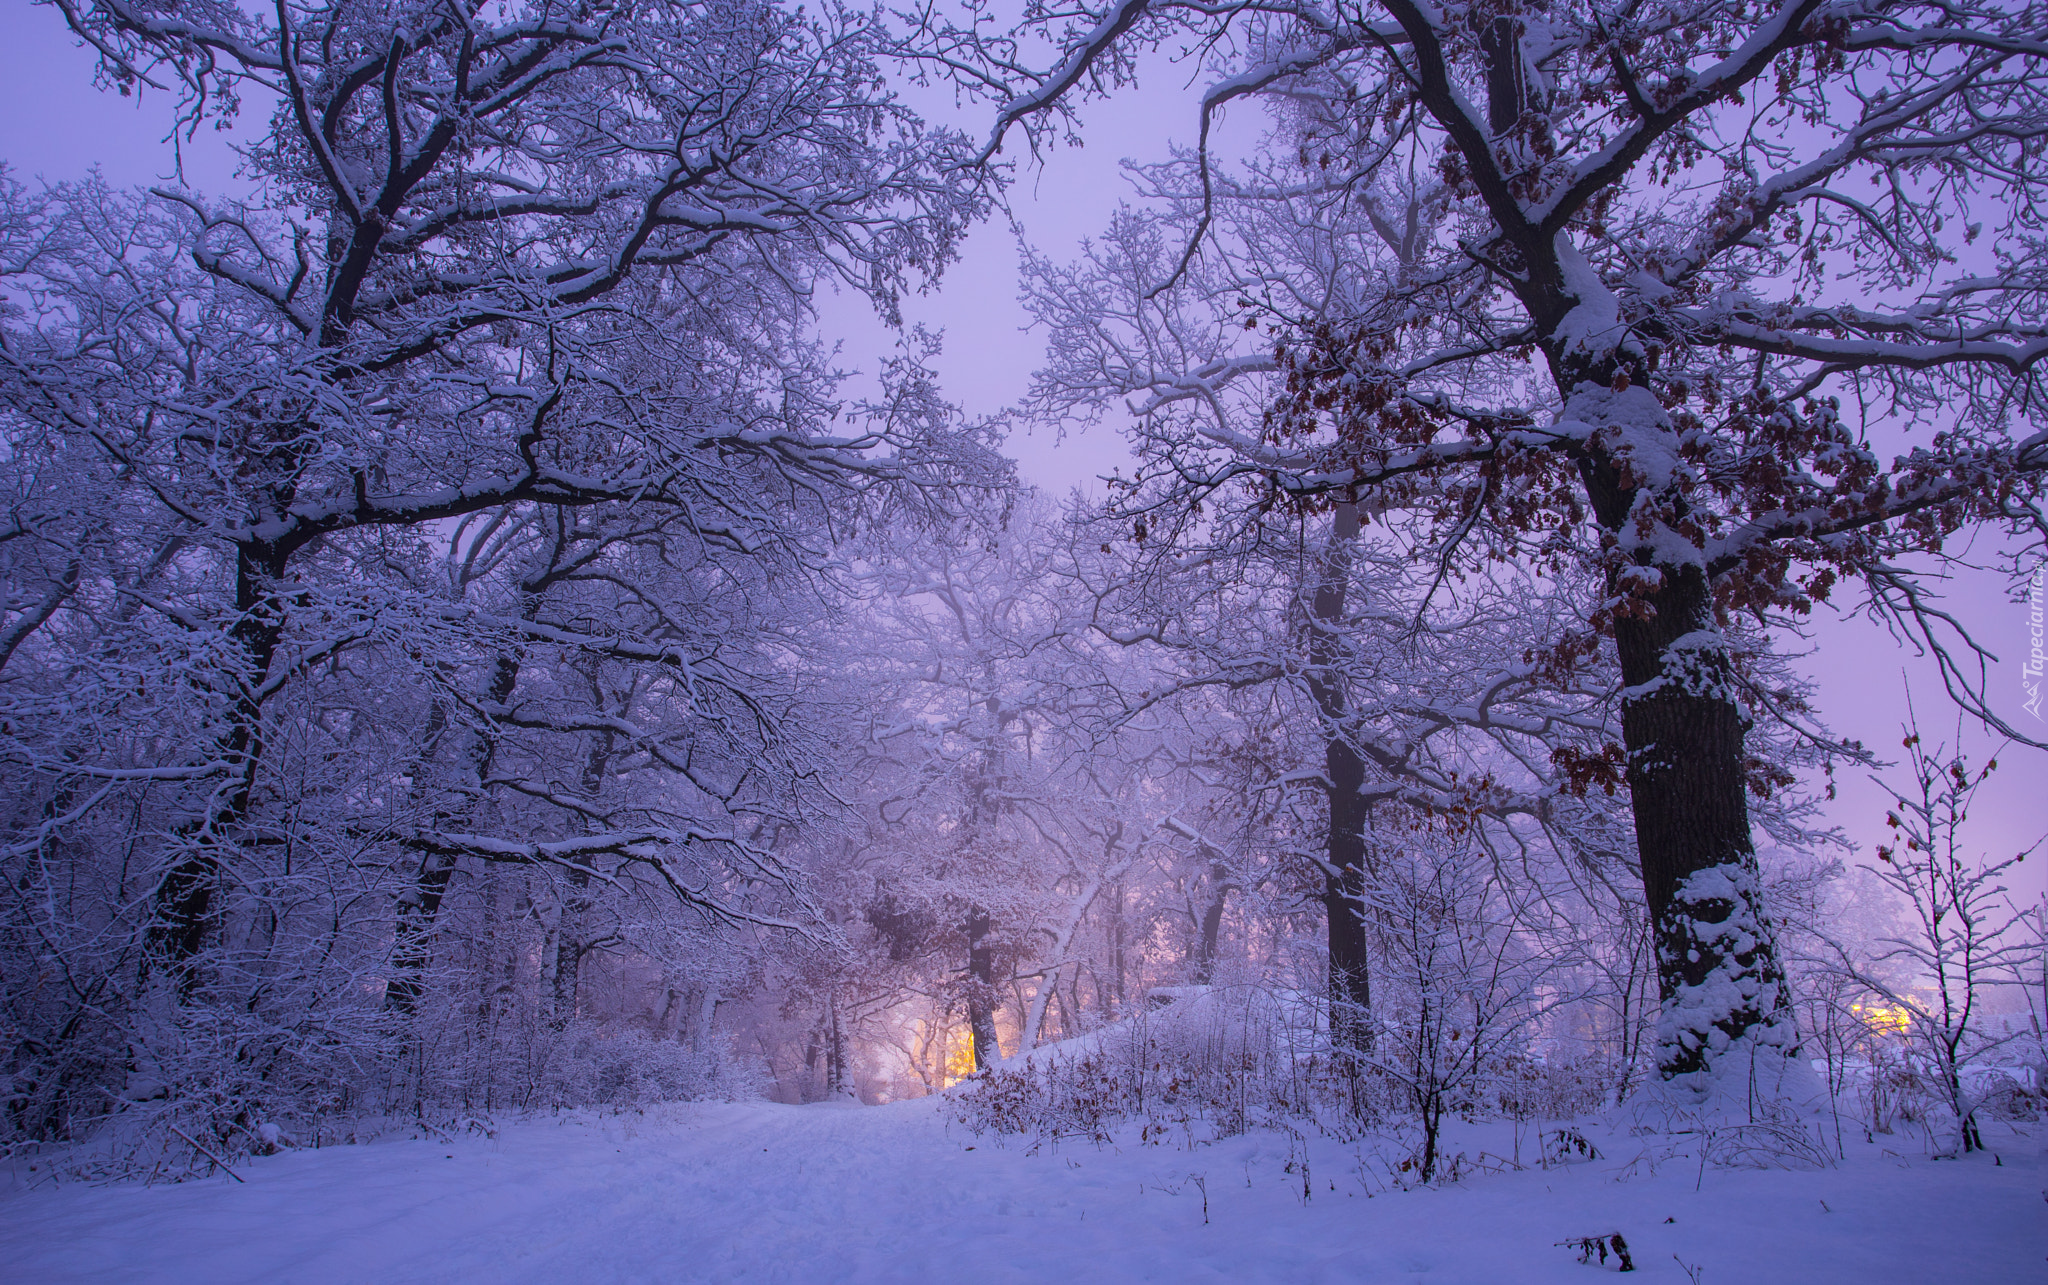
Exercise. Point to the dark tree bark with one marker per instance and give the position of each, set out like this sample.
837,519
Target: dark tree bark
981,990
1211,926
1688,790
572,937
1344,856
982,809
418,909
1718,973
838,1076
186,909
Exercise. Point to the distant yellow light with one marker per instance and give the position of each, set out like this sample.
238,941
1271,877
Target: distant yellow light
1884,1019
959,1057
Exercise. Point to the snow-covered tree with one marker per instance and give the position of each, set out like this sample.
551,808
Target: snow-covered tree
1659,282
1391,691
1466,971
458,498
1963,938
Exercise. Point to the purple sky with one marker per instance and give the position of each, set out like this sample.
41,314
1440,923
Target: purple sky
54,124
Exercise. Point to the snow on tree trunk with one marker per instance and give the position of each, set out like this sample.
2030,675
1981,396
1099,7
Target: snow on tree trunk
982,996
1344,853
1708,294
1683,726
186,899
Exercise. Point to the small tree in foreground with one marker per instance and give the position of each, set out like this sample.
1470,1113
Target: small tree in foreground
1961,942
1462,977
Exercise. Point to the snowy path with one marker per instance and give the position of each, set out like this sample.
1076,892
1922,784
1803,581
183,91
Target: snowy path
757,1192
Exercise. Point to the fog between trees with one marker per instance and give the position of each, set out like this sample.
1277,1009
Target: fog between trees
465,651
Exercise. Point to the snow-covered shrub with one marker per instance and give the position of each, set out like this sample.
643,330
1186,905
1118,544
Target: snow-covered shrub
1213,1062
2001,1097
1528,1086
1461,977
1767,1143
1891,1090
631,1069
1054,1097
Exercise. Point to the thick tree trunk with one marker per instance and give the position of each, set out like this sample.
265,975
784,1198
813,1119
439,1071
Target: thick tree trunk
186,906
419,904
1211,928
412,948
981,990
572,939
568,969
838,1076
1719,978
1344,856
983,808
1350,974
700,1025
1717,968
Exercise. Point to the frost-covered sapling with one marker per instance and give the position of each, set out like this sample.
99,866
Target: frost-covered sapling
1962,940
1461,977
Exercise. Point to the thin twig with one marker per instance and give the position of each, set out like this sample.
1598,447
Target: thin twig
208,1154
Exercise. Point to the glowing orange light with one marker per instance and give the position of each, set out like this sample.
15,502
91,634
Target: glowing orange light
1884,1019
959,1057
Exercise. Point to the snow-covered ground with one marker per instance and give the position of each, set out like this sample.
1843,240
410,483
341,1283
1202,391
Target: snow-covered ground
759,1192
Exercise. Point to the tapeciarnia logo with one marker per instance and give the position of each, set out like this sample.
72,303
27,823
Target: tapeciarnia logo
2030,673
